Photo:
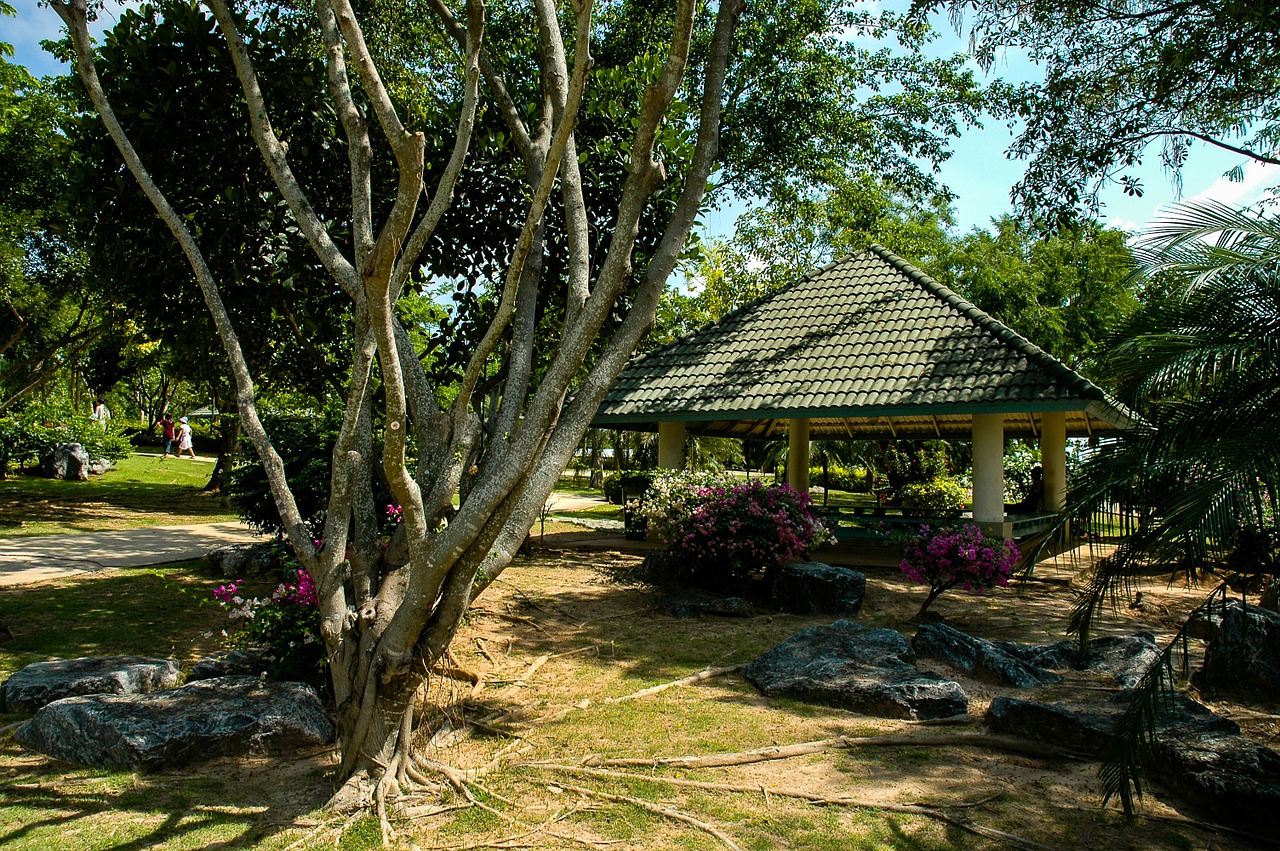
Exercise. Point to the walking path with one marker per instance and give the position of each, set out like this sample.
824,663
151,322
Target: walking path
35,559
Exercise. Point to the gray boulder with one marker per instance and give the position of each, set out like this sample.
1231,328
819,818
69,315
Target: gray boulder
229,716
1233,779
236,561
693,603
857,668
41,683
1195,753
978,657
98,466
1245,653
1124,658
66,461
812,587
1089,728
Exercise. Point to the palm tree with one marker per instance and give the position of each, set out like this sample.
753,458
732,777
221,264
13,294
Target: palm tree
1201,362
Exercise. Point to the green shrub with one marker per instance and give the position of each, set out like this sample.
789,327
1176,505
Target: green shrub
631,482
939,495
24,434
842,478
305,445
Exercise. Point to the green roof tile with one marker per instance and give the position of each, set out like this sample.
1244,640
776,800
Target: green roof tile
866,338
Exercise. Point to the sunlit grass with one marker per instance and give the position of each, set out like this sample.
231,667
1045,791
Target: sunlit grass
140,490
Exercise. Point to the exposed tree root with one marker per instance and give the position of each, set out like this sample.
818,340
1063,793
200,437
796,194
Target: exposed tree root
1004,743
690,680
668,812
523,679
925,810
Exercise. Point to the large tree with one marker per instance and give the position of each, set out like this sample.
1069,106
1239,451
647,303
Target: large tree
552,300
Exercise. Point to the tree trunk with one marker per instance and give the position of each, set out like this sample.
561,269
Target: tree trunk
228,445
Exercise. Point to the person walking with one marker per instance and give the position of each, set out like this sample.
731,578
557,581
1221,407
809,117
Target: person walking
166,425
184,438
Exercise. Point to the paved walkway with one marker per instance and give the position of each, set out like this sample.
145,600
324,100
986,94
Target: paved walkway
35,559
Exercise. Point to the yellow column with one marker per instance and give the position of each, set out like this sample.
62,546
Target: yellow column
671,437
988,470
1053,459
798,455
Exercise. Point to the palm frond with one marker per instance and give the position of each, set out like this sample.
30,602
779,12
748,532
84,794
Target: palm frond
1126,759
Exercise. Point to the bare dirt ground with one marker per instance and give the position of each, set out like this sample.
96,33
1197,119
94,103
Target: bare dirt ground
559,639
550,713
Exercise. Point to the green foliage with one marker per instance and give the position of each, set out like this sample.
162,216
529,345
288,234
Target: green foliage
842,478
1019,458
903,462
629,484
23,435
1121,76
1199,362
939,495
305,444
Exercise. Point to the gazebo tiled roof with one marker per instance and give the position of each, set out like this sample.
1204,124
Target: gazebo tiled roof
867,347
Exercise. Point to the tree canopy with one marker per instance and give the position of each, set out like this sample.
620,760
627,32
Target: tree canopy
1122,77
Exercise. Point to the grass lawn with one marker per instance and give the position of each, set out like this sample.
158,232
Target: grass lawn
563,644
141,490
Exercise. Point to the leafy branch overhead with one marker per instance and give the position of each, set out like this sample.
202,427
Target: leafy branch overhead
1126,80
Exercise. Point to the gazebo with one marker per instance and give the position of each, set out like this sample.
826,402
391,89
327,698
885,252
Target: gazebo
868,347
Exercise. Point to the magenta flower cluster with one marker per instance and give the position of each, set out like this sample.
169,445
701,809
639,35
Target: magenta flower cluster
738,530
958,556
395,514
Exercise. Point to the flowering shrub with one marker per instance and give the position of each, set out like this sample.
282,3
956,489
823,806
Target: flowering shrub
673,495
738,531
961,555
285,626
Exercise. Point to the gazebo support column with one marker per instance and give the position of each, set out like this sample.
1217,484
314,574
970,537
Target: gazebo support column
988,472
1053,459
671,439
798,455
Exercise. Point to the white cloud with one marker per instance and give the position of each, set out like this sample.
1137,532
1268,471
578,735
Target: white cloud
1258,178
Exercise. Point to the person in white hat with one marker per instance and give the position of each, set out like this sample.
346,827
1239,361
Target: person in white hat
184,438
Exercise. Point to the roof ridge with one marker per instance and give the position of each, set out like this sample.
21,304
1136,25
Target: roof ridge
987,322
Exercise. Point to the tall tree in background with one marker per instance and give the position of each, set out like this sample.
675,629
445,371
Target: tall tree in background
1065,291
48,316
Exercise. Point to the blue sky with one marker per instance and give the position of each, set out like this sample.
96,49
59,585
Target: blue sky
978,172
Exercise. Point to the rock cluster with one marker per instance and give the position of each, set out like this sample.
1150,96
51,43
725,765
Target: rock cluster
812,587
1197,754
65,461
236,561
228,716
125,712
979,658
1244,653
42,683
853,667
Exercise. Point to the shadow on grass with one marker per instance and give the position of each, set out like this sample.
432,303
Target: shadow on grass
226,806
